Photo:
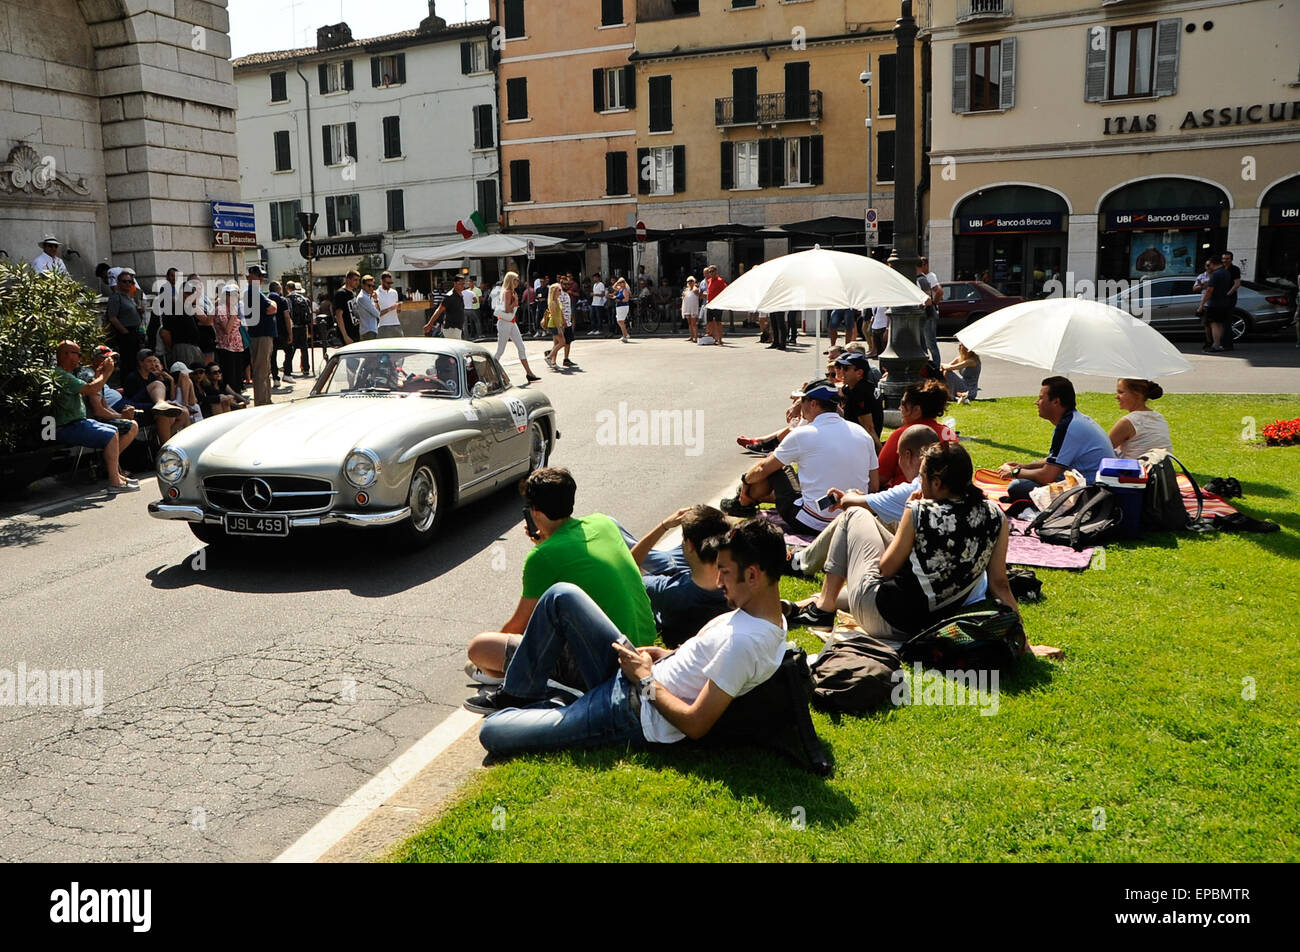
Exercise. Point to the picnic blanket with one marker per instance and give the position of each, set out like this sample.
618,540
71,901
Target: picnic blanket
1034,552
791,538
994,487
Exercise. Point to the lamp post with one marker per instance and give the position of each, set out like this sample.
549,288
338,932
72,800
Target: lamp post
906,354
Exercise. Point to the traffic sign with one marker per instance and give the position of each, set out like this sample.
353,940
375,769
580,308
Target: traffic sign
305,249
530,249
234,239
308,222
873,218
640,231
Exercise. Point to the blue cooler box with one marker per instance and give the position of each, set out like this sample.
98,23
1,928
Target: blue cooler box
1125,478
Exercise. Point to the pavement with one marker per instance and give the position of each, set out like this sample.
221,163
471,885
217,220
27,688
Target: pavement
249,700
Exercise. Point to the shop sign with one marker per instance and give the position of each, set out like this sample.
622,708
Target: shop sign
1281,214
349,247
1022,223
1159,218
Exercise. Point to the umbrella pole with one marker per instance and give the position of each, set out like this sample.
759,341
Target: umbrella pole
817,345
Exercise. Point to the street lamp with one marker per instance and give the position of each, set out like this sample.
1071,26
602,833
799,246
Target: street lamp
865,79
906,353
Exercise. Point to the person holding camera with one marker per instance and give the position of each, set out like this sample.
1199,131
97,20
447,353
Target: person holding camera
586,551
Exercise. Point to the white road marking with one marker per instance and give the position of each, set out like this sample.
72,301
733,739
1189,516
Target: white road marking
346,817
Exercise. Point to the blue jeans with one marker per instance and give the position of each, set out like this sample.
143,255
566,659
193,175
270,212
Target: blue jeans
1021,488
930,329
658,561
598,317
564,616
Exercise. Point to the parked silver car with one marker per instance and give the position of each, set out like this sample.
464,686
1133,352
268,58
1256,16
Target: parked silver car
395,432
1169,305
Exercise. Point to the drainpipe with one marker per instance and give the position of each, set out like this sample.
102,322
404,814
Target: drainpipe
311,157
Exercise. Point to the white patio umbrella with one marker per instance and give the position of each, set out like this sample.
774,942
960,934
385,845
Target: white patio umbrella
1072,335
819,280
484,246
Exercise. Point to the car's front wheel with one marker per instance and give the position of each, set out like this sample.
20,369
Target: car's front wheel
212,535
429,497
539,447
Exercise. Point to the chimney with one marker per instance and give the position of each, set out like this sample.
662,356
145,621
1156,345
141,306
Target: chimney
432,23
328,37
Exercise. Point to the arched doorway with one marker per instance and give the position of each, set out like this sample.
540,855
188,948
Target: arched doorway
1012,237
1278,258
1160,226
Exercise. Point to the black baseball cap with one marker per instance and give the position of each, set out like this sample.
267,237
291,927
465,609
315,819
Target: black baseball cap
256,270
853,360
822,390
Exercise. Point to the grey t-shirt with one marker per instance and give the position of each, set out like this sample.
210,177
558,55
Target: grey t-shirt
123,308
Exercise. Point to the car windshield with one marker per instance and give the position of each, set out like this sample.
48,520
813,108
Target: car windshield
391,371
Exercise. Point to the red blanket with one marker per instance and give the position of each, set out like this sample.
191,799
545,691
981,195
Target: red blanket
994,486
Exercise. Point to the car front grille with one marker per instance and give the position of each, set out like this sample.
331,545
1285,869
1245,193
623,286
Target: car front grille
238,493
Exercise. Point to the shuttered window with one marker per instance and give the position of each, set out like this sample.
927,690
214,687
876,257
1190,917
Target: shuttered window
283,160
886,79
388,70
611,13
486,194
885,156
661,103
616,173
396,210
1133,61
279,88
392,137
284,221
514,17
521,188
483,127
983,76
517,98
343,214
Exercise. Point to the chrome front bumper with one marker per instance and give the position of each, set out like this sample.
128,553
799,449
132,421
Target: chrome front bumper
160,510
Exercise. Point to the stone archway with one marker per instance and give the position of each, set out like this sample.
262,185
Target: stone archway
136,105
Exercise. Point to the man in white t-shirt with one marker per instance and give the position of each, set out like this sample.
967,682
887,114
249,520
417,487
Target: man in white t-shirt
650,695
49,259
597,306
472,297
829,452
390,325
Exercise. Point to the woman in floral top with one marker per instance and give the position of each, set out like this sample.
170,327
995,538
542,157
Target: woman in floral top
230,343
949,537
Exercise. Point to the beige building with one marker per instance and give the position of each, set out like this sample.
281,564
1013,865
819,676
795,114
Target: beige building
753,115
1111,140
567,106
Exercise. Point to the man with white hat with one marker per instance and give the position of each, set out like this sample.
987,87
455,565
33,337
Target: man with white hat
49,259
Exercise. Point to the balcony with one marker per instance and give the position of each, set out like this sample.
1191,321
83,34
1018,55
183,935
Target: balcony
767,109
968,10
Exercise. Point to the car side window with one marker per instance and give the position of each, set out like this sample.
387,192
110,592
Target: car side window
471,375
1181,287
487,372
960,292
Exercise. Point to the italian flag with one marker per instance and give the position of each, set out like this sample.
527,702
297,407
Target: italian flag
471,227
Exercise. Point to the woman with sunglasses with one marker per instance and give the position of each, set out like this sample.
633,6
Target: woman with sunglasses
123,315
230,342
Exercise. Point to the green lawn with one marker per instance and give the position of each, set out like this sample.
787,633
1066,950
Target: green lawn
1139,746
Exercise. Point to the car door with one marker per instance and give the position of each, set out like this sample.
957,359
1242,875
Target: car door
503,413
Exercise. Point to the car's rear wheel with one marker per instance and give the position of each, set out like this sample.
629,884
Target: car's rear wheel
539,446
1241,325
428,496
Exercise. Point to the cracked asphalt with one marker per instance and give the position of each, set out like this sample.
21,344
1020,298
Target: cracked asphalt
246,696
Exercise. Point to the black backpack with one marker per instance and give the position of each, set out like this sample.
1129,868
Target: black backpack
855,675
1090,519
299,309
983,637
1162,502
775,715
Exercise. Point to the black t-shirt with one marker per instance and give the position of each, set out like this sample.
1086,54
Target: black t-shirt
454,314
343,302
182,328
1235,274
862,401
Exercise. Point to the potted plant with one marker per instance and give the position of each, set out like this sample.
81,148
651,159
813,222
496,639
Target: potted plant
37,311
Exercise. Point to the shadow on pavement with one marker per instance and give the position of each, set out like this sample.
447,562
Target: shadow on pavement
366,563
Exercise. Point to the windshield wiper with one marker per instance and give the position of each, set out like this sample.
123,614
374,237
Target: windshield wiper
370,390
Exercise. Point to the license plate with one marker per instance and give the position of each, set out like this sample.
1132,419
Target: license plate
257,525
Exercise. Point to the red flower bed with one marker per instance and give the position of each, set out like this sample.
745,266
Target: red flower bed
1283,433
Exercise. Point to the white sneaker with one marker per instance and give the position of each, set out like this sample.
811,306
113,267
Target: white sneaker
475,673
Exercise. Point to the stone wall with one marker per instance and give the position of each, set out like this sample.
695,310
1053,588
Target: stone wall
129,104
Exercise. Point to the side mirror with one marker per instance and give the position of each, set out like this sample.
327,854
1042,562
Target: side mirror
479,390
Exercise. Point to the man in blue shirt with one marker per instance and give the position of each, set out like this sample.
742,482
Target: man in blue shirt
683,599
1078,443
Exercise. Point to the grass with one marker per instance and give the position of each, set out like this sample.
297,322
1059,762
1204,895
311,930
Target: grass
1141,745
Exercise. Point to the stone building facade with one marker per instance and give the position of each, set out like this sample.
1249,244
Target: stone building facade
117,127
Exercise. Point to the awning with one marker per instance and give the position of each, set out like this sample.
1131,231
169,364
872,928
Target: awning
484,246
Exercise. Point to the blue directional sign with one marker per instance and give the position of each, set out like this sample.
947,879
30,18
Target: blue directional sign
233,224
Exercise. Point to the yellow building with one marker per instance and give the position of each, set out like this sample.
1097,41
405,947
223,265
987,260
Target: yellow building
1111,140
567,108
753,115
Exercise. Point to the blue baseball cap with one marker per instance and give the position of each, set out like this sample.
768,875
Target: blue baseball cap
854,360
822,390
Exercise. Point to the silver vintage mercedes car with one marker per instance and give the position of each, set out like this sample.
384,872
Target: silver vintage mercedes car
395,432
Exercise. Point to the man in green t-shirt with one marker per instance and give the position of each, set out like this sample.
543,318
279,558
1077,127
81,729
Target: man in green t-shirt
71,425
589,552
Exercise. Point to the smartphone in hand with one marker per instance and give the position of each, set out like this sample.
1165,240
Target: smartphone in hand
531,524
826,502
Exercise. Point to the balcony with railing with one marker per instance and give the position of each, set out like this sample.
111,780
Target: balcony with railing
968,10
767,109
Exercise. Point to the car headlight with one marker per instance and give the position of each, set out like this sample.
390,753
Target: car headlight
361,468
173,464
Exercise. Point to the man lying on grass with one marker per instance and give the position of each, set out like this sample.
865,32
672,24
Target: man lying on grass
648,695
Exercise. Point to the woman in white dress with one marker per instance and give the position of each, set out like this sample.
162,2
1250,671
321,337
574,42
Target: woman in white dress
691,309
622,305
1140,429
505,308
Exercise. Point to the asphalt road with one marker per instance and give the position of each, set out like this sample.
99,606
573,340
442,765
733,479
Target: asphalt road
244,697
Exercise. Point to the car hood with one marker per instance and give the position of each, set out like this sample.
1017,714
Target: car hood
326,429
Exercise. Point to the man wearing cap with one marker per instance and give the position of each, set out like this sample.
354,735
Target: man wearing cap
299,317
49,259
109,406
71,424
451,311
123,316
261,324
860,404
829,451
